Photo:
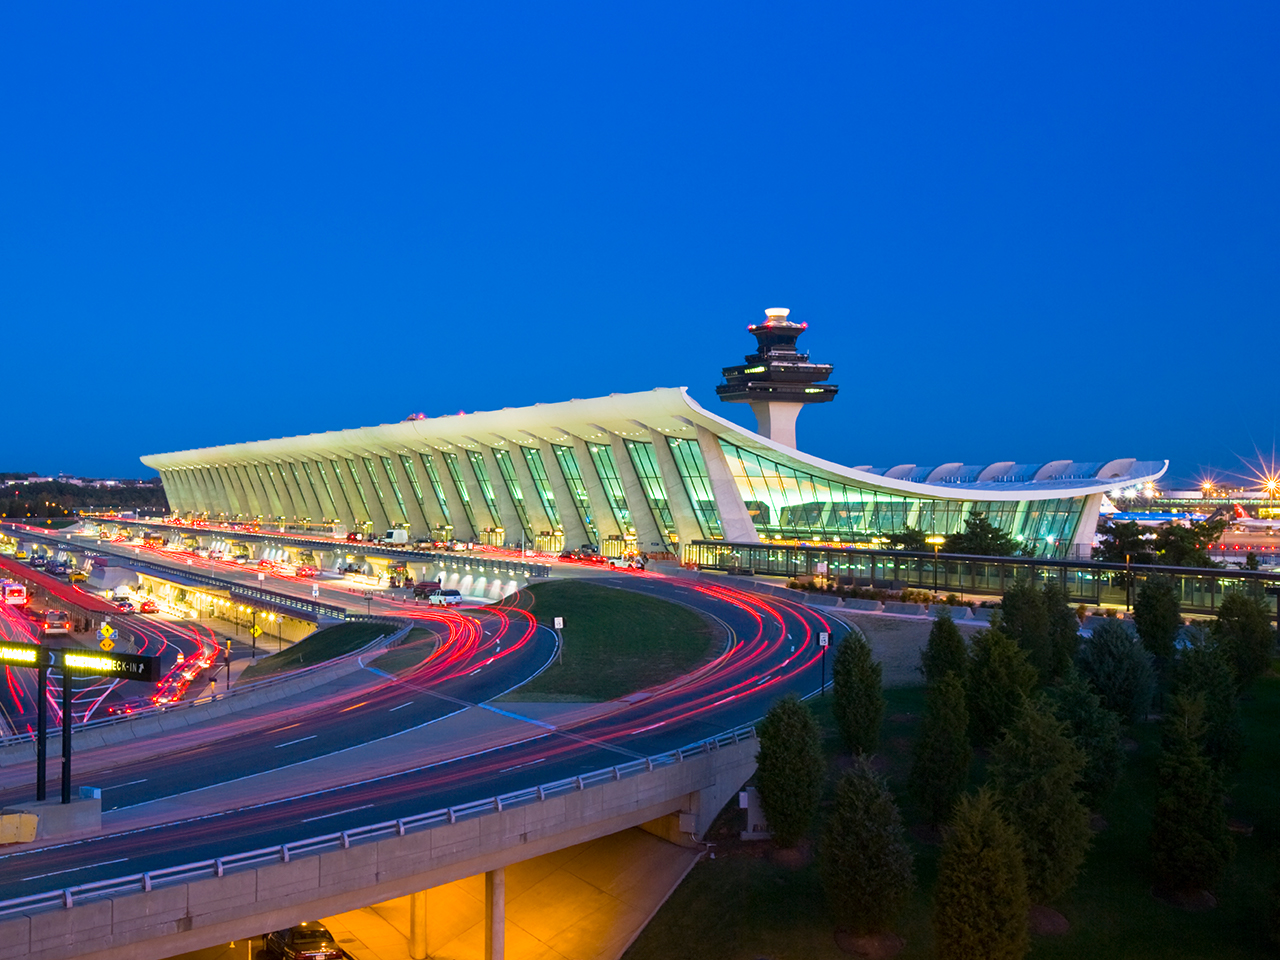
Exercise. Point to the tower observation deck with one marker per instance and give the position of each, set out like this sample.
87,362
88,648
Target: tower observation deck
776,380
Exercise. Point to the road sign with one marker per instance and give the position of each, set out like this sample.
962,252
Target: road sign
824,639
106,632
559,623
107,645
255,631
262,576
315,591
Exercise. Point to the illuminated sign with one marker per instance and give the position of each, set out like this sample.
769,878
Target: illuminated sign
25,655
125,666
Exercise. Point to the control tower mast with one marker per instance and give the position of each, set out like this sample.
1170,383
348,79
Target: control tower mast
776,380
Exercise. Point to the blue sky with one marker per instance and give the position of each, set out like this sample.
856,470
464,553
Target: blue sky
1019,231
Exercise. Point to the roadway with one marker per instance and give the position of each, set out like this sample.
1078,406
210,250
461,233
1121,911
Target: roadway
772,650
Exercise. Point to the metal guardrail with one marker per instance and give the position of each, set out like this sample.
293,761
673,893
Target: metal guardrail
219,866
251,686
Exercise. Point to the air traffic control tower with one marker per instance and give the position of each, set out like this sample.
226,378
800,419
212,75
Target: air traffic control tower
776,380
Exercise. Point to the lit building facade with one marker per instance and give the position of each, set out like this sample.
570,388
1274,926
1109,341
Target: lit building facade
650,471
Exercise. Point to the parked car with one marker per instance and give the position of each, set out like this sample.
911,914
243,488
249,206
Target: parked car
54,621
38,561
445,598
77,576
425,588
148,606
306,941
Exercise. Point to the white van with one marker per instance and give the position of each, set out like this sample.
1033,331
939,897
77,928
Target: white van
445,598
396,536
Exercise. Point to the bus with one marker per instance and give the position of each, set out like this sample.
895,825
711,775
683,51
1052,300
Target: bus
13,594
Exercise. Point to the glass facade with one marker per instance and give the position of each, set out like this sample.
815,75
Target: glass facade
697,484
342,487
607,470
390,470
508,471
328,497
409,472
645,462
269,490
533,458
791,504
429,464
455,471
297,479
486,487
355,478
568,462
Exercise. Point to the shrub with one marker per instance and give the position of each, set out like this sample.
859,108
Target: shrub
1157,615
945,652
1204,668
866,862
942,753
857,703
997,679
1095,730
1024,617
980,899
1243,628
1190,845
1064,629
1119,670
1034,771
789,769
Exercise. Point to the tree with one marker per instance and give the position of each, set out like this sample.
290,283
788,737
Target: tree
1179,546
910,539
858,703
981,538
1243,628
942,753
866,863
998,678
1204,669
1190,845
1034,772
1064,628
1157,614
1119,670
1024,617
1095,730
1127,543
980,901
945,652
789,769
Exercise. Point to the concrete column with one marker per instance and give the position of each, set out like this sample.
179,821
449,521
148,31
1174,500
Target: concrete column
462,529
575,531
649,535
341,495
418,925
419,522
234,494
601,506
430,502
258,505
512,529
270,498
392,503
734,518
295,506
479,505
198,492
310,498
495,914
538,518
1082,543
219,490
687,526
377,513
173,491
777,420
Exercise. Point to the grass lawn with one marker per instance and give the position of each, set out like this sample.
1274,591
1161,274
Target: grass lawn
744,906
615,642
320,646
417,645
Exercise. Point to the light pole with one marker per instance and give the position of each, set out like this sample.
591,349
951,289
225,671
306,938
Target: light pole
937,545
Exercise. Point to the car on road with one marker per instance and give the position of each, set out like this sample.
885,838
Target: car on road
306,941
306,570
126,606
77,576
148,606
54,621
425,588
445,598
38,561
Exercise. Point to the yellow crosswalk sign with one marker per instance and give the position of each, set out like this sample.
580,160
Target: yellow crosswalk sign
256,631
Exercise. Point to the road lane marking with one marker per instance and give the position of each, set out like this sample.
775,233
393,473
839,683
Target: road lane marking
90,866
401,707
353,706
519,765
336,813
129,784
299,740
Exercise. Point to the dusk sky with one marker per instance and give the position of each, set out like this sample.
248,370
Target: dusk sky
1018,231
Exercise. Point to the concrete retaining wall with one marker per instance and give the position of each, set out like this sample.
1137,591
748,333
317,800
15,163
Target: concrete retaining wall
204,913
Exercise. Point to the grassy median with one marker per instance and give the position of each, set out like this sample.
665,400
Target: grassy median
615,642
326,644
746,903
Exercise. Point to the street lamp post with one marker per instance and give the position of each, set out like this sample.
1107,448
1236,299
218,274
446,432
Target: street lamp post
937,545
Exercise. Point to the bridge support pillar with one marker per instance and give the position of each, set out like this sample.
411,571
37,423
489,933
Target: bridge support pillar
495,914
418,925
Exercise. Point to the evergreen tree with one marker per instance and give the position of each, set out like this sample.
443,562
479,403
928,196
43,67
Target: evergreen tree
1157,614
866,862
981,538
1119,670
1204,668
1064,629
942,752
857,700
998,678
1190,845
1024,617
980,901
1096,731
1243,628
789,769
945,651
1034,771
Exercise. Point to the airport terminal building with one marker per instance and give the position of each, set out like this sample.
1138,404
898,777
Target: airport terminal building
652,472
